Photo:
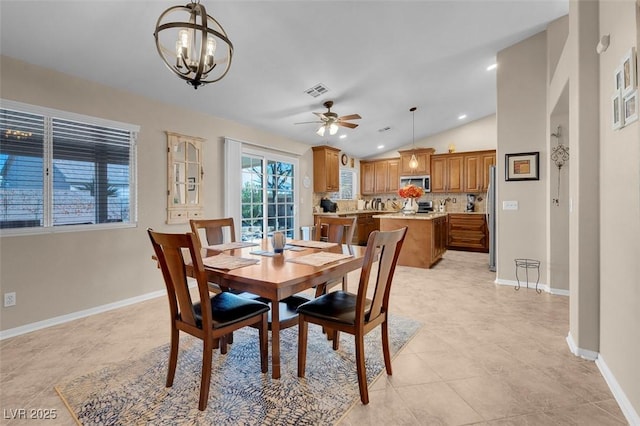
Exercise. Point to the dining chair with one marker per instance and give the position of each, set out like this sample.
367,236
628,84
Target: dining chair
355,313
210,318
214,231
335,230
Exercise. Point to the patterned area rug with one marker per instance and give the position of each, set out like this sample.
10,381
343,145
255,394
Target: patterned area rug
133,392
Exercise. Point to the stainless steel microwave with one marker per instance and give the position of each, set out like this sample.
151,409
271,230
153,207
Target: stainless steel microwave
423,182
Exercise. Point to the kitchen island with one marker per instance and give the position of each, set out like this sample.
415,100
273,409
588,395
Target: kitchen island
426,239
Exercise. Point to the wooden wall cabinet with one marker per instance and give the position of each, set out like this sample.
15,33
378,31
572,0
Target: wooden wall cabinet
185,173
476,170
468,232
326,170
423,155
379,177
447,173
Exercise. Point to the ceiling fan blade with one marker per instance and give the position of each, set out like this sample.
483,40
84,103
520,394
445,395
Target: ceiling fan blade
350,117
345,124
309,122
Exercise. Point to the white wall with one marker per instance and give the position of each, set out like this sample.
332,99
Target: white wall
62,273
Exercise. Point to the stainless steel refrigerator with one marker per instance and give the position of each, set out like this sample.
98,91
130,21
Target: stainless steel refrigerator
491,212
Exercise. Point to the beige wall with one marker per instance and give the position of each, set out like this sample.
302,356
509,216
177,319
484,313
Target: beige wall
62,273
619,211
522,127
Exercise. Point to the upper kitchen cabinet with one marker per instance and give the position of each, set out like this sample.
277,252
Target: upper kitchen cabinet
326,170
184,164
379,177
447,173
423,155
476,170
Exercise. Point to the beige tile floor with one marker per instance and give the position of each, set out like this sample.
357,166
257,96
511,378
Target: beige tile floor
486,355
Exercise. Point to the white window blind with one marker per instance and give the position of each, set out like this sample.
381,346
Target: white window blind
59,169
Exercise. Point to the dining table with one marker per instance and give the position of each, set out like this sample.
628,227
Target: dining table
254,267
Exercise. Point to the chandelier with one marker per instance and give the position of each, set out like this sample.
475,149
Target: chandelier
192,44
332,127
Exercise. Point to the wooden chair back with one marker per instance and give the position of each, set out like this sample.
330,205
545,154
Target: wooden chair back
170,250
214,230
338,229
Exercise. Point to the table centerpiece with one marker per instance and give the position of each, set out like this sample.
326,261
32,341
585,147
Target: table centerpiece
410,193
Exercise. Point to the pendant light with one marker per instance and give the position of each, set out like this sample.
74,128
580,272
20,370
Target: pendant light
192,44
413,162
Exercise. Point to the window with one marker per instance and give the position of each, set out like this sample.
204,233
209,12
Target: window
347,184
60,169
267,197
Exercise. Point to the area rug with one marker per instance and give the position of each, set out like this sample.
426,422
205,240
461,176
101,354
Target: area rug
134,392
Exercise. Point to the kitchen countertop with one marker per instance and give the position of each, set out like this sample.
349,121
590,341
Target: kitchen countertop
417,216
353,212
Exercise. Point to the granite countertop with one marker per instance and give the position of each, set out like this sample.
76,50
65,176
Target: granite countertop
417,216
354,212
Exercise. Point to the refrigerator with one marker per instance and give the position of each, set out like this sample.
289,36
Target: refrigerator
491,212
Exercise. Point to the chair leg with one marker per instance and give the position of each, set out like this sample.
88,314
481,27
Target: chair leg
320,290
173,356
302,345
336,339
361,369
230,338
264,344
205,380
345,287
385,347
223,345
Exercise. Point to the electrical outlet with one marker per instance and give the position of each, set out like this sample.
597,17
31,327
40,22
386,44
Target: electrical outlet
9,299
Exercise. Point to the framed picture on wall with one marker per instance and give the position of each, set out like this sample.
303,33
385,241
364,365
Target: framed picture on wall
630,107
619,80
616,110
522,166
629,71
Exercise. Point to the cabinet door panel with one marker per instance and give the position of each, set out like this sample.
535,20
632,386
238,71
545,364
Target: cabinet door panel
472,176
367,179
438,173
456,174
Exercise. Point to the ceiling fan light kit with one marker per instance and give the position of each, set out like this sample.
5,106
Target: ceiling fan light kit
196,49
331,122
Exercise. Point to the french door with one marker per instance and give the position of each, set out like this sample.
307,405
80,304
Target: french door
268,195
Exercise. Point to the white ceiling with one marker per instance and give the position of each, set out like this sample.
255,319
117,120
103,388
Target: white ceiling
378,59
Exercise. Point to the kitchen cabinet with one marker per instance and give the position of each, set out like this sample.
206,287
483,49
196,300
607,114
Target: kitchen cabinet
379,177
326,170
476,170
423,155
468,232
447,173
184,173
365,224
425,241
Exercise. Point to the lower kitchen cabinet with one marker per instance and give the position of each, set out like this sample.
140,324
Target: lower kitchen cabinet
468,232
365,225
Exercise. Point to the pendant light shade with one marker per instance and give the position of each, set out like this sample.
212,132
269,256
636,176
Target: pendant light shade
192,44
413,162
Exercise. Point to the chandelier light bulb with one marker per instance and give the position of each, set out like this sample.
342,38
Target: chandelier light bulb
413,163
320,131
333,129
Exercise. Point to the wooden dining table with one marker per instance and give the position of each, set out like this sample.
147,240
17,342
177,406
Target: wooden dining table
276,277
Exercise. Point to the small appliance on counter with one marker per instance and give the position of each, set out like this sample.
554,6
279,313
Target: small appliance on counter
328,206
471,203
425,206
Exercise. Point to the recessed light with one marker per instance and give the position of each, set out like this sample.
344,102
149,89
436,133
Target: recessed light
462,117
343,136
492,67
380,146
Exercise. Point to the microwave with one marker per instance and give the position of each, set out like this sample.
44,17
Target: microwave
423,182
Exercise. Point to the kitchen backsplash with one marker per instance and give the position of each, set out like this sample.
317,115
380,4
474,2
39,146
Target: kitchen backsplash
454,203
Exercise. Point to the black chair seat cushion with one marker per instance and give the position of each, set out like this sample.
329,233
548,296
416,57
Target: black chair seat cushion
228,308
336,306
288,306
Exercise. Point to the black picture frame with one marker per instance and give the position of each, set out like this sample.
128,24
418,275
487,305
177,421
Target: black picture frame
192,184
522,166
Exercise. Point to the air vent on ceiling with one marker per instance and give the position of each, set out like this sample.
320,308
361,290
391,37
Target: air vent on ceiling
317,90
384,129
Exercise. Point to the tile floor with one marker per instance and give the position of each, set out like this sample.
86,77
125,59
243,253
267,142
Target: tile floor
486,355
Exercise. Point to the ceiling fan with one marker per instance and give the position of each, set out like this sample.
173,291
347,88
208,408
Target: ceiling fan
330,120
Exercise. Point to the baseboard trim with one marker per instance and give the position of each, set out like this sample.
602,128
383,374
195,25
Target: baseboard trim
582,353
17,331
627,409
541,286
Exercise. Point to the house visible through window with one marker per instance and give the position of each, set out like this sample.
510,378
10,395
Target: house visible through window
59,169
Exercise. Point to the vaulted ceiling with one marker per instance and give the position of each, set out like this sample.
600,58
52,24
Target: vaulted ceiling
377,59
